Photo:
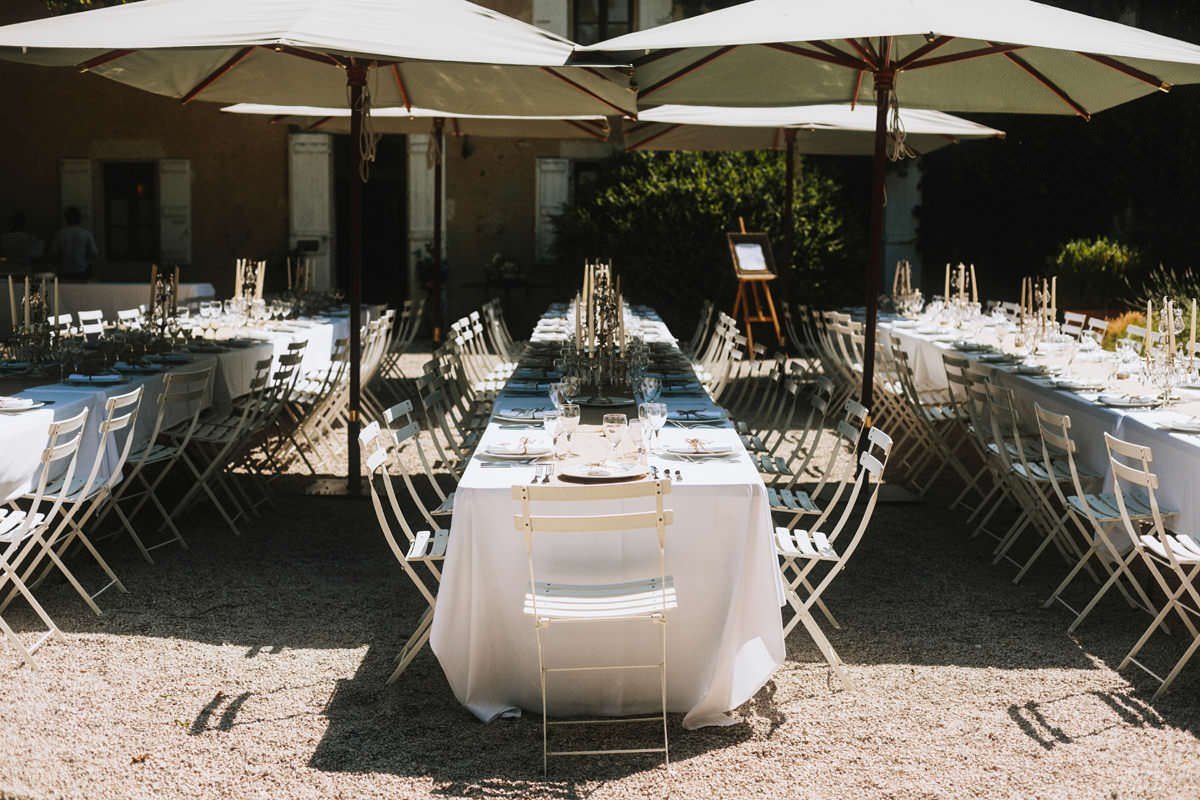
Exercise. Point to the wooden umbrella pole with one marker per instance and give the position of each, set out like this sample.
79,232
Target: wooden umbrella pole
356,78
883,89
789,201
435,287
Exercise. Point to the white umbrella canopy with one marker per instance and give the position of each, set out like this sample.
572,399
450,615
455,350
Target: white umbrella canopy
421,120
450,54
836,130
950,55
991,56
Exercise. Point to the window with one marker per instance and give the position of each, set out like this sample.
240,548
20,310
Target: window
596,20
130,211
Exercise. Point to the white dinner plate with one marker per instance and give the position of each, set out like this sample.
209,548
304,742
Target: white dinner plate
601,472
26,404
905,323
705,450
1073,385
1127,401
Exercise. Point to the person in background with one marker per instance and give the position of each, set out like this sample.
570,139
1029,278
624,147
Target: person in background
18,247
75,246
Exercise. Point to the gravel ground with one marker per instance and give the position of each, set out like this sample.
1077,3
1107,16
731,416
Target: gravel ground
254,667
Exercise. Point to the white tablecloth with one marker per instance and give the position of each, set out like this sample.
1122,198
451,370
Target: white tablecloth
1176,455
724,641
23,435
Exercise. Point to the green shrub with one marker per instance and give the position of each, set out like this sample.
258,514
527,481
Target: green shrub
1162,282
1093,272
662,219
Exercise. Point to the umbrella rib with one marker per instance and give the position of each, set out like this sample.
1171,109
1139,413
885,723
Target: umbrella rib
320,58
400,85
923,51
586,129
1133,72
655,56
695,65
865,54
858,81
843,61
318,123
658,135
104,58
216,74
990,50
833,51
1049,84
582,88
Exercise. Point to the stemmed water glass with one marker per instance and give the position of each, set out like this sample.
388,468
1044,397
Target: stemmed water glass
557,393
615,426
551,422
568,421
654,417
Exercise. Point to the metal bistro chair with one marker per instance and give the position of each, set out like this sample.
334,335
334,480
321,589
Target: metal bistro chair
21,529
551,603
1172,558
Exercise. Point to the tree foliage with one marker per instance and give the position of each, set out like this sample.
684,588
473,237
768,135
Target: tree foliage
67,6
664,216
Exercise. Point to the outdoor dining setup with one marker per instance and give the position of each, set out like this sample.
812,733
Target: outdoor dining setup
603,519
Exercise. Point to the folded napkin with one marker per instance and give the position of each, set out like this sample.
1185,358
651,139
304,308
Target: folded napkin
694,414
702,446
16,403
523,446
76,377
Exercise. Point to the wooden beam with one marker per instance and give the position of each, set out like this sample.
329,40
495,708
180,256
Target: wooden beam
858,80
1033,72
842,61
658,135
318,123
320,58
1133,72
216,74
400,85
587,128
104,58
865,54
695,65
923,51
582,88
966,55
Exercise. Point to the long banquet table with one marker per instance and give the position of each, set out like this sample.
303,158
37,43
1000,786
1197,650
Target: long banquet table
724,640
23,435
1175,454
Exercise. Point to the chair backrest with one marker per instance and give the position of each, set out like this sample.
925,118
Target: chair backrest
1097,327
130,318
1059,448
59,458
180,403
872,462
91,322
623,496
1130,464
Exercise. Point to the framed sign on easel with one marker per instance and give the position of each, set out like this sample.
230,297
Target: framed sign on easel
754,265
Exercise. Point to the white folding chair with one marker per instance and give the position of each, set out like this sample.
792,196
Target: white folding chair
1073,323
91,323
130,318
552,603
81,497
21,529
1095,515
422,548
802,551
1097,328
1171,557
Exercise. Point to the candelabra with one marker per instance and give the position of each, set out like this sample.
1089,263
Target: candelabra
598,353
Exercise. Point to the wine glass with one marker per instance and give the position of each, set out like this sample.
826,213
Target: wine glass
656,415
615,426
551,422
568,421
651,388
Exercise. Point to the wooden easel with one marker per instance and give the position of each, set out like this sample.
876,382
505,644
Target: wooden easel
755,289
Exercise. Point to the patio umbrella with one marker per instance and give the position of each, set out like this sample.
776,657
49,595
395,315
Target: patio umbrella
351,53
432,121
833,129
953,55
